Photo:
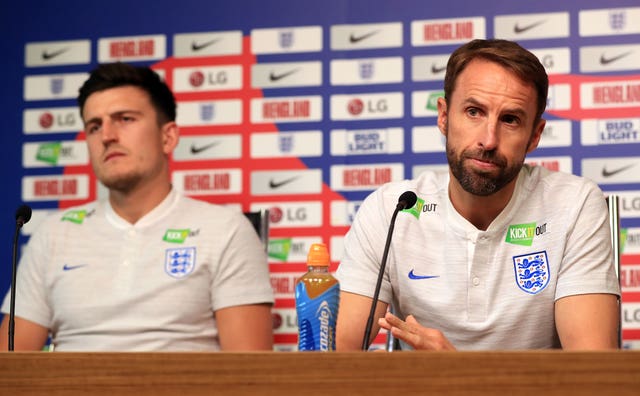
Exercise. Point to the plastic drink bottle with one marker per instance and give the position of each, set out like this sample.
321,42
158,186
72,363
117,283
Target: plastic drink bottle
317,297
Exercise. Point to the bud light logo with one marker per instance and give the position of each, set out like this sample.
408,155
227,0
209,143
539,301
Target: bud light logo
207,112
286,39
367,142
57,85
618,131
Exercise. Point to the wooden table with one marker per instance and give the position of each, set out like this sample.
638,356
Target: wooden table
540,373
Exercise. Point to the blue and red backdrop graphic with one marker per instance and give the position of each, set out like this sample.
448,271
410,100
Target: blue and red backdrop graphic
305,107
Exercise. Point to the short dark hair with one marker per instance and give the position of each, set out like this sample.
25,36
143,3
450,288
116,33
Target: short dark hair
113,75
506,53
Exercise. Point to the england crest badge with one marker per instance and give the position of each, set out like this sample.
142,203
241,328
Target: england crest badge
286,39
532,271
285,143
56,85
180,262
207,111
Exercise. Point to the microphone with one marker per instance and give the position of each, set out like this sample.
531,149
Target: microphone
23,215
406,201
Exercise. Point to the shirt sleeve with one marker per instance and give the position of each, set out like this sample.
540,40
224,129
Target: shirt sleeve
242,275
587,264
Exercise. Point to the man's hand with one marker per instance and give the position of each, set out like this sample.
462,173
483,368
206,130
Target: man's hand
414,334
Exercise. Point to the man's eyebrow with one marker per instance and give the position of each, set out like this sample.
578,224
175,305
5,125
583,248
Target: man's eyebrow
93,120
518,111
473,101
118,113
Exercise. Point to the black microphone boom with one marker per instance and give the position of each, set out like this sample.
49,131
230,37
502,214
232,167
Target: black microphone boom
23,215
406,201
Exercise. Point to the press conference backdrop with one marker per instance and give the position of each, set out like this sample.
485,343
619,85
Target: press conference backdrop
304,107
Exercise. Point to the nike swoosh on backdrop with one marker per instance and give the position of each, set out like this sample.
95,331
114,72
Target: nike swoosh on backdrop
608,173
521,29
68,267
197,150
414,276
435,69
50,55
198,46
275,77
606,61
353,39
274,184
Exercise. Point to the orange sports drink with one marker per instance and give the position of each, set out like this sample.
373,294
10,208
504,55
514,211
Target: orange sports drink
317,298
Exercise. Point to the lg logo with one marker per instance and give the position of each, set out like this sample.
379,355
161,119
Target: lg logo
288,215
197,78
357,106
47,120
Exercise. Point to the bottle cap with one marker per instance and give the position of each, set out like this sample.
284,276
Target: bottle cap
318,255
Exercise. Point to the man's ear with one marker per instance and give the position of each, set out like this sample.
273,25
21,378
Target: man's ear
443,116
537,134
170,137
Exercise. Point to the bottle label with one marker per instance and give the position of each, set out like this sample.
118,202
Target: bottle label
317,318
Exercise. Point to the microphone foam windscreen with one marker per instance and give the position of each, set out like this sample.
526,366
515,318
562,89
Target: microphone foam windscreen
24,213
409,198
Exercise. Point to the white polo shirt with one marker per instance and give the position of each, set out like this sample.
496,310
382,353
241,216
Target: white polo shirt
492,289
102,284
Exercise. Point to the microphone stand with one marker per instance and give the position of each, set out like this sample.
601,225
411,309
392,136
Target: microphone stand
12,308
374,303
23,215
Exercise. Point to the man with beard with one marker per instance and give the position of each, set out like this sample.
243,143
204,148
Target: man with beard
495,254
148,269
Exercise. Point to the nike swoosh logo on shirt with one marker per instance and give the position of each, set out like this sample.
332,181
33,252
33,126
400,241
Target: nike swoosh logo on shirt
609,173
412,275
68,267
